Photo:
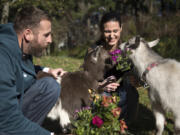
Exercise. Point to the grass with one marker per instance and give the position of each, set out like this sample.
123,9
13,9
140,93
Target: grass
67,63
145,123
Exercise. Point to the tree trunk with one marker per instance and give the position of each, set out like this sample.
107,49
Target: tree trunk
151,7
162,7
137,21
5,13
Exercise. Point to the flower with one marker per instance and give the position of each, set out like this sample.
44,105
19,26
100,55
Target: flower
106,101
101,117
115,55
121,60
123,126
97,121
114,99
90,91
118,51
116,111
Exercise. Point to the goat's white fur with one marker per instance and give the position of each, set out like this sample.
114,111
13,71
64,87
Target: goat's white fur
164,82
58,112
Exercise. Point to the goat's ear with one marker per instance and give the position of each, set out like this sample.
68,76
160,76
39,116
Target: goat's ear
122,45
95,54
153,43
137,42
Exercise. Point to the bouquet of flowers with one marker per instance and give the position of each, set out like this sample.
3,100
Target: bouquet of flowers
121,60
102,118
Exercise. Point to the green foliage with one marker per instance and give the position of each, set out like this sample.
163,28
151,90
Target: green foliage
101,118
169,48
53,8
72,20
152,27
77,52
122,60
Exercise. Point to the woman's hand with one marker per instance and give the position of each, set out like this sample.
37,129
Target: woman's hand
109,84
111,87
57,72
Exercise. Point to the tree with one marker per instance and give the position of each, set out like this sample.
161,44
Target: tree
5,10
53,8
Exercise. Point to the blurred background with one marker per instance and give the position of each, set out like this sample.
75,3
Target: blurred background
76,27
75,22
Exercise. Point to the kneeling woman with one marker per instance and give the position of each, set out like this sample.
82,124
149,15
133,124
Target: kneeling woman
111,28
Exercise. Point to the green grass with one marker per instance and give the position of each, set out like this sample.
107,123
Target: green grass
145,123
67,63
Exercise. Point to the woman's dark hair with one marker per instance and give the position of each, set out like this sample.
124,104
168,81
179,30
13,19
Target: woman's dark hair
110,16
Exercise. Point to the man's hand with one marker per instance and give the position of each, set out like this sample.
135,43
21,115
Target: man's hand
57,72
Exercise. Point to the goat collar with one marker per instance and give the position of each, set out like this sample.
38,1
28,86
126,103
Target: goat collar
149,67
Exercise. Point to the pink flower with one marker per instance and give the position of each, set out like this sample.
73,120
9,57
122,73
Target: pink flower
114,58
115,54
97,121
118,51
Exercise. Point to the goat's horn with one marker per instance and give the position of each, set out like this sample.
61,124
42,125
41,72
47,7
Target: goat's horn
96,54
153,43
98,51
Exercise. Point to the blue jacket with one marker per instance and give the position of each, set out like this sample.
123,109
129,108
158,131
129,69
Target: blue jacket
16,75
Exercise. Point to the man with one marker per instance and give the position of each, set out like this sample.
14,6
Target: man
25,101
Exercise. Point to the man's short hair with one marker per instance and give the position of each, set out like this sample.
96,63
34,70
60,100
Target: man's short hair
29,17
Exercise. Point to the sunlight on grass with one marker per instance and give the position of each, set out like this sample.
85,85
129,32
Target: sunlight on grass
143,99
145,124
67,63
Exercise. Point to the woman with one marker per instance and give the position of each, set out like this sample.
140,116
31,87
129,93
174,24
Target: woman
111,28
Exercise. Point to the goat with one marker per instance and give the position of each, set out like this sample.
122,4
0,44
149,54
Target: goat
74,87
162,76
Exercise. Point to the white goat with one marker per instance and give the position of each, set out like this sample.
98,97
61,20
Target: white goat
163,77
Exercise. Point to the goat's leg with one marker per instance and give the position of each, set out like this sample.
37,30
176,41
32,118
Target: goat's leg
160,119
58,112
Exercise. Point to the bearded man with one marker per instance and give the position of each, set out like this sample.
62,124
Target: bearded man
24,100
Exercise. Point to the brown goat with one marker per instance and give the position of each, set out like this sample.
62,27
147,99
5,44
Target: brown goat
74,86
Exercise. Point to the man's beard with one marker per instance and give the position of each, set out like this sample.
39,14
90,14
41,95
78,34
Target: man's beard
35,49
